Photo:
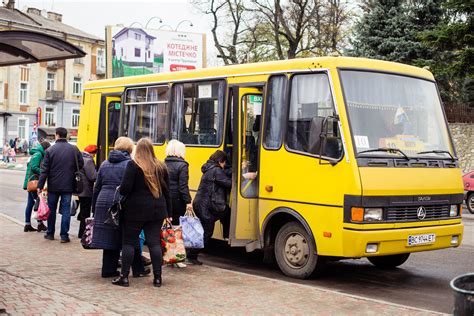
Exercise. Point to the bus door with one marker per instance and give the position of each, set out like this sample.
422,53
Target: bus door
110,107
247,112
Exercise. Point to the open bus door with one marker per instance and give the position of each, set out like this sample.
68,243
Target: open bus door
247,109
110,107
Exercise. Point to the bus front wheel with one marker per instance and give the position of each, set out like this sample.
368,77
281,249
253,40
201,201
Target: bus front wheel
389,262
295,251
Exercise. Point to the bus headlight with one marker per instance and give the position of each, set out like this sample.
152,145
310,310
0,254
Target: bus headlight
453,210
373,214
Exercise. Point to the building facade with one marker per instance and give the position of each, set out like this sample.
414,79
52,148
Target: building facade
37,98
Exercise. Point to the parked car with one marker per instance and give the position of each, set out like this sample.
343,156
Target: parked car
468,180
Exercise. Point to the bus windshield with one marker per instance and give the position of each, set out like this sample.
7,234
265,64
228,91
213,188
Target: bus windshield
394,111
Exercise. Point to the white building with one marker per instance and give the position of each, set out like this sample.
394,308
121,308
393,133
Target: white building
134,47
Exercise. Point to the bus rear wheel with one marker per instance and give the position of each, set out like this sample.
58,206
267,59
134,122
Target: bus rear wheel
295,252
389,262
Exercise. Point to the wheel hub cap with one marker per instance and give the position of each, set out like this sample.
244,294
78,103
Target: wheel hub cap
296,250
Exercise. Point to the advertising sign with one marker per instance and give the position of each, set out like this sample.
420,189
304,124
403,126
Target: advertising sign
137,51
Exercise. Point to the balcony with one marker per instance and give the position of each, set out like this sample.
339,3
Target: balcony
55,64
100,70
54,95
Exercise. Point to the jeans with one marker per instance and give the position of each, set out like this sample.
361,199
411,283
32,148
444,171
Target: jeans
32,196
64,209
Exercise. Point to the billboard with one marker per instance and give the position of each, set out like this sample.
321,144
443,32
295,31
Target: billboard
136,51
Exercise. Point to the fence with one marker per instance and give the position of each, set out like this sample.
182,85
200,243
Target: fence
459,113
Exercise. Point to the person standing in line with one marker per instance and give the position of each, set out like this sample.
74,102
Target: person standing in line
105,236
213,175
33,170
58,169
178,171
89,175
145,185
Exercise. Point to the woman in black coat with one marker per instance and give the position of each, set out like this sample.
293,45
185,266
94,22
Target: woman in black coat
214,177
147,203
105,236
178,171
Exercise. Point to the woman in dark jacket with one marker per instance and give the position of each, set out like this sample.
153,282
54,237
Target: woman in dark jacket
178,171
105,236
145,185
33,170
214,177
89,174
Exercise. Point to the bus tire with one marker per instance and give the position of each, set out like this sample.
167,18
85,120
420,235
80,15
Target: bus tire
295,252
389,262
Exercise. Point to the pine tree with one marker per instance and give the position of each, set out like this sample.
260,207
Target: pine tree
387,31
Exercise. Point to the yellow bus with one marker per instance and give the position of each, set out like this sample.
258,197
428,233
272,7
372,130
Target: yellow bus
332,157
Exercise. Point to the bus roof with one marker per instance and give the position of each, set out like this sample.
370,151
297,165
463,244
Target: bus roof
279,66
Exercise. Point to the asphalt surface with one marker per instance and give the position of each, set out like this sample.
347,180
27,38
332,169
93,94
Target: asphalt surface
423,281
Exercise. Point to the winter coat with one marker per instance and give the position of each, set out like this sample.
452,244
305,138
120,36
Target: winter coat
140,205
33,168
59,166
178,171
212,173
109,178
88,175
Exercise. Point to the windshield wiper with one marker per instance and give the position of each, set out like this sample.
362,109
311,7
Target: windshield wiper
437,152
387,150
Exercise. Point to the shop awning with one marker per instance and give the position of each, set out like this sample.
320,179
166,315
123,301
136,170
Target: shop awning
24,47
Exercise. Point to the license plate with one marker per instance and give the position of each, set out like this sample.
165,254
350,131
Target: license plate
414,240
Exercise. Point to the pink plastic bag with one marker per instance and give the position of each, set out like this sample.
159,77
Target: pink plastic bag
43,209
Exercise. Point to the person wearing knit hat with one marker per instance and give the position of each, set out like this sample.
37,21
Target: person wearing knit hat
88,177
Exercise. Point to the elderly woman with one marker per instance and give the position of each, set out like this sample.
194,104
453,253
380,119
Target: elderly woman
178,171
107,237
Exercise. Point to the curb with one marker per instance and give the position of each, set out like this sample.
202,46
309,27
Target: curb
315,287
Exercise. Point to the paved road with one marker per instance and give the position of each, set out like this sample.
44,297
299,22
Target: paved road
423,281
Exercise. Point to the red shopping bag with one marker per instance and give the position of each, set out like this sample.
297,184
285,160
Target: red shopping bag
43,209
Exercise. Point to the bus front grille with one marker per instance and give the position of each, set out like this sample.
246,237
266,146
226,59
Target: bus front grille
410,213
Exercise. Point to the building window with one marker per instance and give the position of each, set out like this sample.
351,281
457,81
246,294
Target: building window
138,36
2,92
24,93
22,124
50,81
77,86
79,60
137,52
75,117
100,59
50,116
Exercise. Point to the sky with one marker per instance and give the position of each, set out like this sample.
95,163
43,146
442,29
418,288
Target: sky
92,16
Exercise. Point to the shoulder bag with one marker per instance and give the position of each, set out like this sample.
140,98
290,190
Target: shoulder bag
78,185
32,185
113,213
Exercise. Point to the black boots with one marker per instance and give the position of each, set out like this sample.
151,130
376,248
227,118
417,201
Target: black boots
41,227
29,228
157,281
121,281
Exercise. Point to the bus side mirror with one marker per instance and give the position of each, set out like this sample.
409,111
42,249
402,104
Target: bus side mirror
330,141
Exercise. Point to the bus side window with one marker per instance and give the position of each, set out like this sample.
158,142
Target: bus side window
311,103
198,109
145,113
274,111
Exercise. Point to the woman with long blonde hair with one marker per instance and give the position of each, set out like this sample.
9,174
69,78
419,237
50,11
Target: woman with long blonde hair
147,203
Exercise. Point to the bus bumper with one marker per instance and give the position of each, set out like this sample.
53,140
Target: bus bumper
395,241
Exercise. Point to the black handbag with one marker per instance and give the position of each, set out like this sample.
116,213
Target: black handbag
113,213
78,183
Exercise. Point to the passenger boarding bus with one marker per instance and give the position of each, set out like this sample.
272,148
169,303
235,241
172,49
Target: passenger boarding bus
332,158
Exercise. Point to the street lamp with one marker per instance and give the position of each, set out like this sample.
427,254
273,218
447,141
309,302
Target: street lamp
166,25
154,17
136,23
177,26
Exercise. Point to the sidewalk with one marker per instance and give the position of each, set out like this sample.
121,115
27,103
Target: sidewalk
48,278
